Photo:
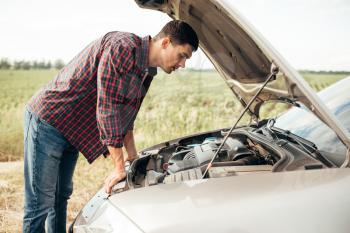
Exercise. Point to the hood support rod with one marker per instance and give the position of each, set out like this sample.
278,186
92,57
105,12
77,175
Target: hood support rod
272,76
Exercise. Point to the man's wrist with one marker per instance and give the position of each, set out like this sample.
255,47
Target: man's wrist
129,143
117,157
119,164
131,157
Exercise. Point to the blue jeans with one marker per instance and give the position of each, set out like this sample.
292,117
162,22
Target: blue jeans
49,162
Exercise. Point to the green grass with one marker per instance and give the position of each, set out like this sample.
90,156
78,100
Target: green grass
184,103
178,104
16,87
321,81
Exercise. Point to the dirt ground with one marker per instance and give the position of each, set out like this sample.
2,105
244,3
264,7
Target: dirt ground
86,183
11,196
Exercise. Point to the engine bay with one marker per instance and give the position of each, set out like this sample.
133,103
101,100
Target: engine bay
246,150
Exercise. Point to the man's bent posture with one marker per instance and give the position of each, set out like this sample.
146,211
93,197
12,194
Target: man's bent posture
90,107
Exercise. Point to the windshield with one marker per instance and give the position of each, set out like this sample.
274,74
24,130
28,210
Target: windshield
303,123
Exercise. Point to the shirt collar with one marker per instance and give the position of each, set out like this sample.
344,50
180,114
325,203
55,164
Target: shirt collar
142,56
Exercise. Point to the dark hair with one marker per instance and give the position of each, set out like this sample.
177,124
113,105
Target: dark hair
179,33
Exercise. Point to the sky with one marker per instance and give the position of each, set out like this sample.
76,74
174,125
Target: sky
310,34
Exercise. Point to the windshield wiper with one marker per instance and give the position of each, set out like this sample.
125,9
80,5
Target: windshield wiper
305,144
292,102
270,131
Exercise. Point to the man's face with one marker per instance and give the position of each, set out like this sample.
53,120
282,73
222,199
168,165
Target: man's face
173,55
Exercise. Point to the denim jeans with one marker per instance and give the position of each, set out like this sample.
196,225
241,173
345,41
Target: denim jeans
49,162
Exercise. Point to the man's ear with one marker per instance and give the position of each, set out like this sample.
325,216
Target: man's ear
165,42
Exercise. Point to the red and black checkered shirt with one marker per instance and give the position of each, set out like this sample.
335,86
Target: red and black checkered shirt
94,100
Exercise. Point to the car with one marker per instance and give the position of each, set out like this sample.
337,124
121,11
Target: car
284,174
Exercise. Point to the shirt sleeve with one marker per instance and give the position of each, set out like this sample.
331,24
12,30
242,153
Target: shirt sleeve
116,60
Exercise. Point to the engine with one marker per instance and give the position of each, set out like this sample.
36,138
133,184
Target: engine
187,160
246,150
194,156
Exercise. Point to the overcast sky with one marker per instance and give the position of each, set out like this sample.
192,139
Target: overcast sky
310,34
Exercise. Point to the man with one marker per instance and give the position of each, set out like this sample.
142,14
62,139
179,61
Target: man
90,106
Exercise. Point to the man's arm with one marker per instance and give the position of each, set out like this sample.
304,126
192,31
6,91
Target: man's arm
129,143
119,173
115,61
118,160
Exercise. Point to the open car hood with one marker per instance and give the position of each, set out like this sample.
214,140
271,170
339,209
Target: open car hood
244,58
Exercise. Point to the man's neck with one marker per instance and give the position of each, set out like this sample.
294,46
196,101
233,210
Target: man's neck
152,53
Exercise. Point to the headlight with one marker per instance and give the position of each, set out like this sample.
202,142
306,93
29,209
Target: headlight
106,220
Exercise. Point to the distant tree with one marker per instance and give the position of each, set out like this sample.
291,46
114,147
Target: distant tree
41,65
48,65
59,64
5,64
26,65
17,65
30,64
35,65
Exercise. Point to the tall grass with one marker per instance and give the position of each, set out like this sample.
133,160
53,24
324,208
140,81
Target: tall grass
182,103
16,87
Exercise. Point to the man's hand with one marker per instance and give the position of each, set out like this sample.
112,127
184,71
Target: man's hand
119,173
113,179
118,159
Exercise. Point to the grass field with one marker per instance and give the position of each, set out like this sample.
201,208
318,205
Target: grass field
16,87
182,103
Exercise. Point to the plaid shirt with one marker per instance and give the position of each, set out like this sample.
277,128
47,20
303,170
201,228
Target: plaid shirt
94,100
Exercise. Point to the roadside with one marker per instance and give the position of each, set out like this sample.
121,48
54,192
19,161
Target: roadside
10,166
11,196
87,180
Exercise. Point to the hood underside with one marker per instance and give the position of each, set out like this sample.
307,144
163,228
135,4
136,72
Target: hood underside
243,57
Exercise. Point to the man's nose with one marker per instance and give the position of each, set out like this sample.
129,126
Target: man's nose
182,63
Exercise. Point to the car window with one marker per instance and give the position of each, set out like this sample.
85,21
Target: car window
303,123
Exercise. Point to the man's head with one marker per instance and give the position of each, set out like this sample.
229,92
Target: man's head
174,44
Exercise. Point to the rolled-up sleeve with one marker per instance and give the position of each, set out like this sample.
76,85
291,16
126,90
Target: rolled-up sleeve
116,60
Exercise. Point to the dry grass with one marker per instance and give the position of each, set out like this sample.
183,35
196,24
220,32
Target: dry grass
11,198
87,180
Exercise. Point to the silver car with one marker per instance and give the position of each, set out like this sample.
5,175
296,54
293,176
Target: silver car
288,174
